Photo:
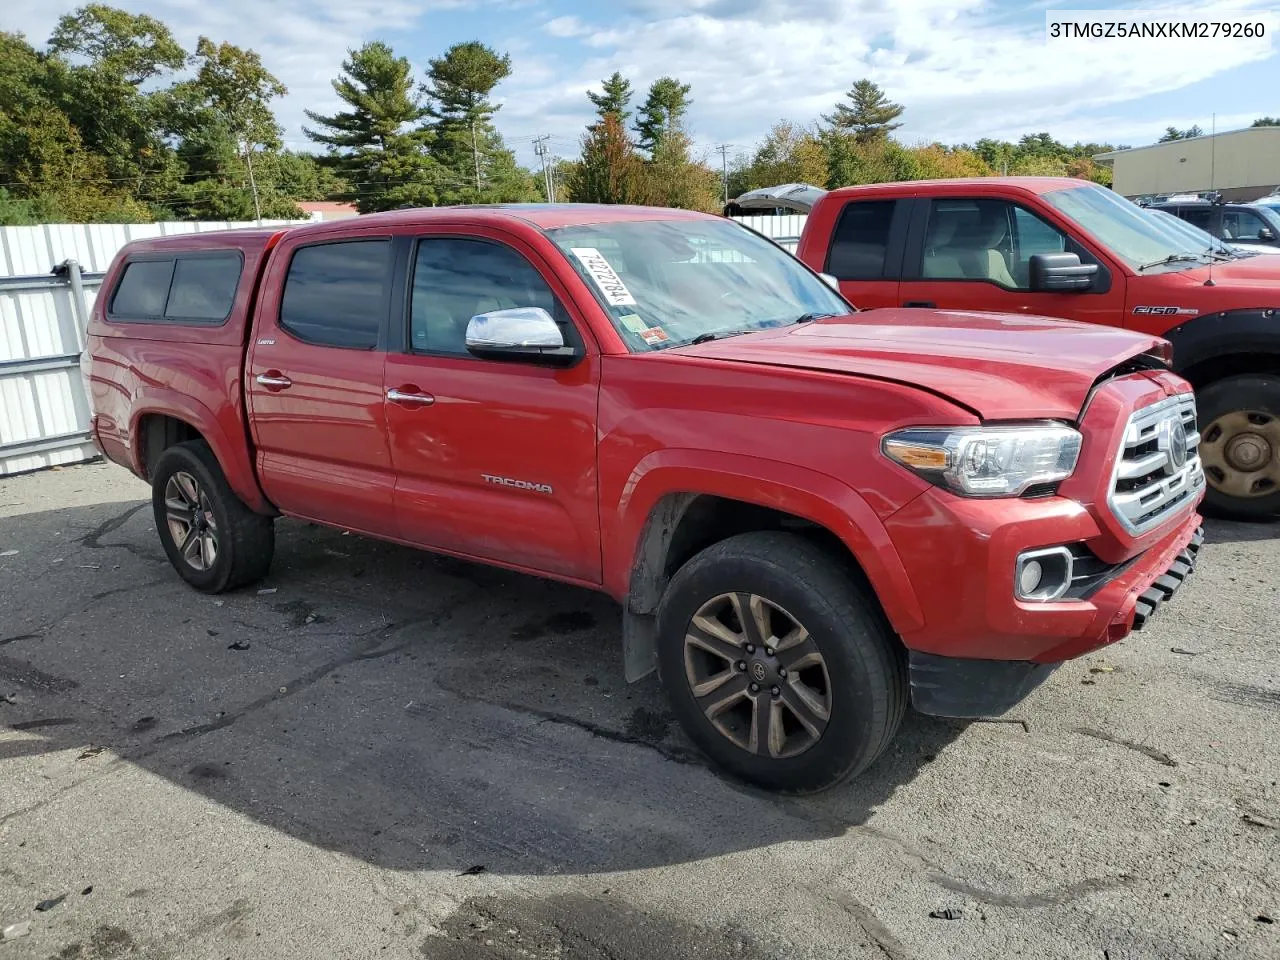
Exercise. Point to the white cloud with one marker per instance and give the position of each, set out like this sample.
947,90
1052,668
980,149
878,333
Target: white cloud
566,27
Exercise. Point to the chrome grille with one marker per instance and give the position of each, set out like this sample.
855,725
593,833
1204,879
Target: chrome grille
1158,468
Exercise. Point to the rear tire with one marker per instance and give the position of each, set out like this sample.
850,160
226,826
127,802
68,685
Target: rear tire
1239,419
835,709
213,540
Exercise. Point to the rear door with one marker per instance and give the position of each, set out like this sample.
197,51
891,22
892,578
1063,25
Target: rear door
974,253
865,253
314,383
494,459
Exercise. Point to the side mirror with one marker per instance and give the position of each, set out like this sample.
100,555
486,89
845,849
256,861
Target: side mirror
1266,235
521,333
830,281
1061,272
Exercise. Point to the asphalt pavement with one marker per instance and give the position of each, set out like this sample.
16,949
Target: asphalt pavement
381,753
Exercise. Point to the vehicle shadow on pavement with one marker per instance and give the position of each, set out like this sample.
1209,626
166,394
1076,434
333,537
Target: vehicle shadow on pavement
1230,531
412,711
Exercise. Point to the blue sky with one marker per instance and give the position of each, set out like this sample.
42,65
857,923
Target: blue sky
964,69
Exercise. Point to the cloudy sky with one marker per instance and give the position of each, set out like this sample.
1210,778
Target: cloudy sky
964,69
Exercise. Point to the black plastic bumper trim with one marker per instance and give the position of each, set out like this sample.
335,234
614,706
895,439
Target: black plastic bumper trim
1167,584
960,687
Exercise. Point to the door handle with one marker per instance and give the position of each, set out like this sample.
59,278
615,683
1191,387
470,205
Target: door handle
919,303
410,396
274,380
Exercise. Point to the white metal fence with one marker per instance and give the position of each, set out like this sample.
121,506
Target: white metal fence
49,276
785,231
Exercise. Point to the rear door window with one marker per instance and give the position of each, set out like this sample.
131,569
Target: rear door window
336,294
860,242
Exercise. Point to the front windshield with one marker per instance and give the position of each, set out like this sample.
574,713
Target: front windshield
666,283
1127,230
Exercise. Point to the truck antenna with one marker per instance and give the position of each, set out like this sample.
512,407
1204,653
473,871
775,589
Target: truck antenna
1213,183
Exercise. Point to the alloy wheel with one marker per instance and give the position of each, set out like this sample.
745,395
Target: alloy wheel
757,675
191,522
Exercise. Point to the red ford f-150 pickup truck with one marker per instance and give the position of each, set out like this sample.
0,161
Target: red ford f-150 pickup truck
1059,247
809,515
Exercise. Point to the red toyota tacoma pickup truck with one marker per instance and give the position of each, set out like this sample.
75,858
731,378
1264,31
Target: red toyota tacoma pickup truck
809,515
1068,248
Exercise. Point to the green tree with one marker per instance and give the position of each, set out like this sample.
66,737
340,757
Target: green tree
476,166
663,112
671,179
871,116
54,176
378,144
788,154
614,98
880,160
1266,122
1173,133
1039,166
134,47
610,171
996,154
238,89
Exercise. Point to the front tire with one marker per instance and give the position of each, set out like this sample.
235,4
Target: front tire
780,667
213,540
1240,446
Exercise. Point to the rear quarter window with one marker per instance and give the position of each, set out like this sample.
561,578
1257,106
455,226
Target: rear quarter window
200,289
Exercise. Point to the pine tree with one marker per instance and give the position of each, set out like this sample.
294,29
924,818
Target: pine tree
614,98
872,115
476,164
663,112
380,148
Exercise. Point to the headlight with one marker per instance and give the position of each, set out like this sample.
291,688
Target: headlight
987,461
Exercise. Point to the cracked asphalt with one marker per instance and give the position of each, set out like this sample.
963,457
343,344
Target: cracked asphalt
387,754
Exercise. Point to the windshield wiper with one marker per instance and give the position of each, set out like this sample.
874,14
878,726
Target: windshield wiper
1173,258
810,317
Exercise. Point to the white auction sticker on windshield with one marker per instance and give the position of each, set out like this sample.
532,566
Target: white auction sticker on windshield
606,278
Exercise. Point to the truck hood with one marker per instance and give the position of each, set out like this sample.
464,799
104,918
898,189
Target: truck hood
1260,273
1001,366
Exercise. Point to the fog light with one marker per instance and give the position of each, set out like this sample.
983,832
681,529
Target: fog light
1043,575
1029,578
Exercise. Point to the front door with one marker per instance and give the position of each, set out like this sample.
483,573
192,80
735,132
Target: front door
975,254
314,384
494,459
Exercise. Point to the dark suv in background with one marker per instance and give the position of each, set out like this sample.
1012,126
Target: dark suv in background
1245,225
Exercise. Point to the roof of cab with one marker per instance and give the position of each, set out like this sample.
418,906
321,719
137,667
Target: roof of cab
543,216
977,185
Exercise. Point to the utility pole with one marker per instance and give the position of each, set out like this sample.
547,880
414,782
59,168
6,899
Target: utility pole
540,148
475,152
724,169
253,184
